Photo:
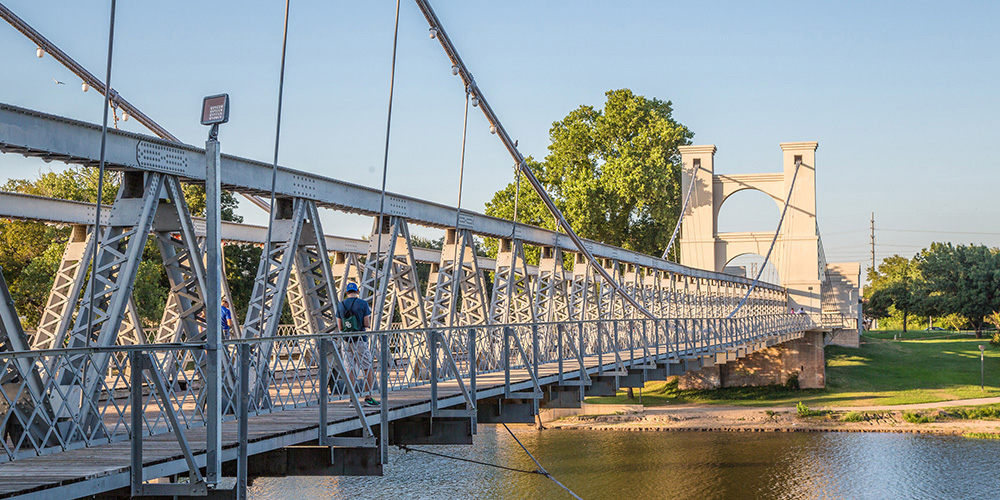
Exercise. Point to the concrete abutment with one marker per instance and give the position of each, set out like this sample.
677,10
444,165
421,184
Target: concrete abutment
801,358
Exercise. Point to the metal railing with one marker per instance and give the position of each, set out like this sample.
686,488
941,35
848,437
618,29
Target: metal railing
62,399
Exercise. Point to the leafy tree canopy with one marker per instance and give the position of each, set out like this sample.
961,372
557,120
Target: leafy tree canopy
614,173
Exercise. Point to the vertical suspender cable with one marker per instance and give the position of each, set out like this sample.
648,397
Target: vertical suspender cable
756,279
388,128
274,166
456,271
96,236
687,198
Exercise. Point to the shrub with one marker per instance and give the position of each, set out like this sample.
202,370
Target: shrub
793,381
981,435
974,413
916,418
853,416
802,410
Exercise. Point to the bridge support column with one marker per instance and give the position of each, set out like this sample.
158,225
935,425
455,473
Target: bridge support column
313,461
602,387
556,396
507,411
426,430
799,359
709,377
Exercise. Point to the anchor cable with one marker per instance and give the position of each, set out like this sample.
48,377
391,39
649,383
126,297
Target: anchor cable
541,470
274,168
760,270
469,460
456,270
385,158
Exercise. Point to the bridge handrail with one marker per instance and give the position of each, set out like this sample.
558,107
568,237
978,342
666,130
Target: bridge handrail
290,375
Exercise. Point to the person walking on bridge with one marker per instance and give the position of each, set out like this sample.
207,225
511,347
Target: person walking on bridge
227,318
354,315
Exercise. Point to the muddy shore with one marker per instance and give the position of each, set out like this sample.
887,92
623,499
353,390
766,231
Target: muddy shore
746,419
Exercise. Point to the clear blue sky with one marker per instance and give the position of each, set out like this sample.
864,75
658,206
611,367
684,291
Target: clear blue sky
900,95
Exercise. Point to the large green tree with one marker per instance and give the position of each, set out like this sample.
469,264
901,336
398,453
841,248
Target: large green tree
895,283
962,279
613,172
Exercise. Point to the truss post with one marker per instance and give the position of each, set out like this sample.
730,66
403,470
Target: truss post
100,315
69,281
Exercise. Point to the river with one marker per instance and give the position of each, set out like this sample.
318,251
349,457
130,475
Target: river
675,465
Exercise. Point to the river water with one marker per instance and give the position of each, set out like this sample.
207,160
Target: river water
675,465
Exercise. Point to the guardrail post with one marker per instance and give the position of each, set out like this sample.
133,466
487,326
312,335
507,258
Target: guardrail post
506,360
432,342
383,408
135,471
631,342
243,429
559,349
614,338
534,348
473,361
321,346
600,348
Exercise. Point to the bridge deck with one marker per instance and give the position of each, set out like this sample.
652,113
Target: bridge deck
106,467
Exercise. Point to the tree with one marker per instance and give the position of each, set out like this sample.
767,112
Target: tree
614,173
896,282
963,279
30,251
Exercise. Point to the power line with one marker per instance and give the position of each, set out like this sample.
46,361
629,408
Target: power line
929,231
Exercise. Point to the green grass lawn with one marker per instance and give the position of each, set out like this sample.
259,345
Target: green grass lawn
881,372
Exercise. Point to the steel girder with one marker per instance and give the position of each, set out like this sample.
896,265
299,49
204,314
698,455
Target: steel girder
512,286
37,134
551,295
117,263
585,299
456,277
66,288
390,278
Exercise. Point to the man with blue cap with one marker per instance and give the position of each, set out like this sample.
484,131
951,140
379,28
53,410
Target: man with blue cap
354,315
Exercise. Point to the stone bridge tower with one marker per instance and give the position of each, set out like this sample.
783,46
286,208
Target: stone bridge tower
797,253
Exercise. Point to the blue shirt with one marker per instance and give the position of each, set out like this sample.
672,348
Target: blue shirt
227,317
358,307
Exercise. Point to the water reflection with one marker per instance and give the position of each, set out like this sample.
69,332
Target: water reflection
676,465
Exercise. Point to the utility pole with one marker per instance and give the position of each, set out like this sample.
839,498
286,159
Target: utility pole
873,240
874,321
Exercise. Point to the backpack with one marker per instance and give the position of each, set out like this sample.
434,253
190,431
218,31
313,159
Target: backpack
352,321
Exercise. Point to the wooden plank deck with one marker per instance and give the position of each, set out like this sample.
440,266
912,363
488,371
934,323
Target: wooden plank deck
87,471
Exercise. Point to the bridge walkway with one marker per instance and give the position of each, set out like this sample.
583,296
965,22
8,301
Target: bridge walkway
102,468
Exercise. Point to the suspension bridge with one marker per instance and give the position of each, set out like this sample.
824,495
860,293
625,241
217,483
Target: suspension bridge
94,403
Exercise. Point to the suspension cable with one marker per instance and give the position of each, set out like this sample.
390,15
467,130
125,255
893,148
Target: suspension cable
517,196
511,145
274,167
385,158
458,209
541,470
687,198
760,270
469,460
96,236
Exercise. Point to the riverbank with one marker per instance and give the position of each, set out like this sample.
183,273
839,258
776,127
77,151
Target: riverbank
945,418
